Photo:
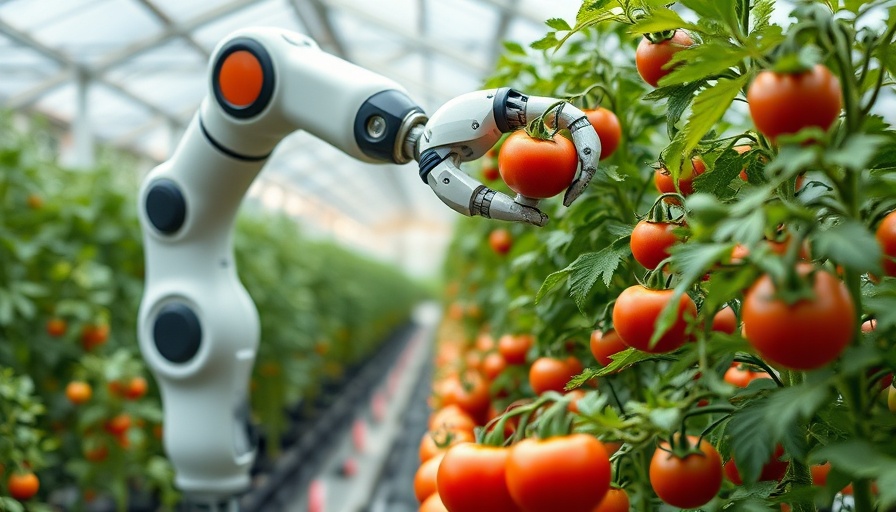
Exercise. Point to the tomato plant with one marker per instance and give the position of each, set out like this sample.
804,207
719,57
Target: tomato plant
537,168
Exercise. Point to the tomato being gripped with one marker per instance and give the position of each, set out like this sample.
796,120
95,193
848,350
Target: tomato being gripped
569,473
537,168
471,478
650,242
785,103
690,481
636,312
652,59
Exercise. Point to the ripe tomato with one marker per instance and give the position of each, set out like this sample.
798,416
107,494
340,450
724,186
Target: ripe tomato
514,347
537,168
688,482
662,178
575,395
500,241
78,392
651,58
635,314
785,103
550,374
93,336
605,345
493,365
119,424
774,469
96,451
606,124
451,417
725,321
886,237
56,327
469,392
616,500
490,171
740,377
136,388
471,478
650,242
425,478
433,504
22,486
437,441
805,335
569,473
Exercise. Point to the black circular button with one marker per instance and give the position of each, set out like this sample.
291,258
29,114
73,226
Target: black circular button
166,207
177,333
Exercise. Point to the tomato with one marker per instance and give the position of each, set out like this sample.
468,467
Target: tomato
741,150
119,424
650,242
56,327
493,365
78,392
807,334
886,237
23,485
606,124
437,441
616,500
774,469
485,342
725,321
785,103
569,473
500,241
738,376
606,345
433,504
651,59
96,451
468,391
688,482
93,336
550,374
537,168
425,478
136,388
664,183
451,417
471,478
636,312
490,171
514,347
575,395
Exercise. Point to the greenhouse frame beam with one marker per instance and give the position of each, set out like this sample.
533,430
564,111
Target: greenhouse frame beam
170,26
313,15
501,32
31,96
510,7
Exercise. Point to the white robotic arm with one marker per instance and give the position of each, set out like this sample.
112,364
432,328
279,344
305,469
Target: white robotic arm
198,328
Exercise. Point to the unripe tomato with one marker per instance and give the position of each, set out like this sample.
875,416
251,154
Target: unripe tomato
785,103
606,124
651,58
690,481
537,168
636,312
650,242
514,347
471,478
664,183
886,237
500,241
605,345
78,392
891,398
807,334
23,486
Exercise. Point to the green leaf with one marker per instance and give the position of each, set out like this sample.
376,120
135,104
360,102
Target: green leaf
558,24
886,482
716,10
856,152
546,43
667,419
660,20
857,458
702,61
584,272
880,301
551,282
850,244
727,167
514,48
708,108
593,11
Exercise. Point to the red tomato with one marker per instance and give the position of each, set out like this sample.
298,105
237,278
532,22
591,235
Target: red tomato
886,237
550,374
575,395
688,482
725,321
490,170
537,168
23,486
807,334
738,376
425,478
500,241
119,424
433,504
471,478
605,345
514,347
635,314
666,185
651,59
493,365
569,473
785,103
774,469
451,417
435,442
616,500
650,242
469,392
136,388
56,327
606,124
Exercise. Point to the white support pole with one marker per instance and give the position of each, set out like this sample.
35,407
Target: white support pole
82,131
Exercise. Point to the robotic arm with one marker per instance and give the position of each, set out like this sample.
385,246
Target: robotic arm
198,329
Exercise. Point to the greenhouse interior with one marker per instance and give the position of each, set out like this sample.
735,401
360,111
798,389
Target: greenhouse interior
447,255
